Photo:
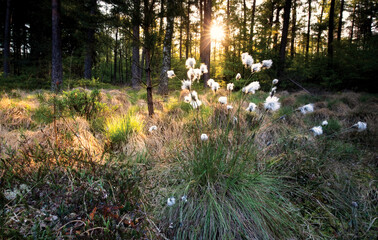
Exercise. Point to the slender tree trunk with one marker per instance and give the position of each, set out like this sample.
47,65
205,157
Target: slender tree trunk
115,57
271,16
57,69
251,35
339,29
277,27
90,42
163,86
293,29
244,27
206,45
201,5
330,29
353,19
6,52
308,29
135,68
285,30
180,37
227,37
187,43
320,28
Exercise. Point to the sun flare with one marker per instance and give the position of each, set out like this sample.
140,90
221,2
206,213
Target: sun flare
217,32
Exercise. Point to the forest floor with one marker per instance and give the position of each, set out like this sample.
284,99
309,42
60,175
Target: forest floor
90,164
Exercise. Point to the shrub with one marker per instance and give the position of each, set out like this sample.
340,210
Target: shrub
83,103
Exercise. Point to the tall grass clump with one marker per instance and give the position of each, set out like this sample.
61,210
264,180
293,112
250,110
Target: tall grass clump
120,128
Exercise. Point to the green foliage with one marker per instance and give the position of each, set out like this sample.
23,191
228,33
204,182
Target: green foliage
81,102
119,129
43,114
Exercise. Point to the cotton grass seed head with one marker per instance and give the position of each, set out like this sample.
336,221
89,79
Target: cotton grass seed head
238,76
203,68
307,108
361,126
171,201
197,74
191,74
210,82
152,128
229,107
325,123
272,103
230,87
251,107
171,74
318,130
252,87
204,137
194,101
267,63
184,198
215,86
190,62
186,84
256,67
275,81
222,100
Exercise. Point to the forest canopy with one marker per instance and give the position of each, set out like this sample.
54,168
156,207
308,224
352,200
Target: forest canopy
326,44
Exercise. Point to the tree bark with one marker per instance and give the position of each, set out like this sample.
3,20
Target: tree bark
206,39
180,37
293,29
285,30
339,29
163,86
251,35
187,43
330,29
88,62
320,28
353,19
6,52
115,57
57,69
308,29
135,68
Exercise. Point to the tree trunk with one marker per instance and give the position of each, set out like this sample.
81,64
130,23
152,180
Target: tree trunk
330,29
320,28
180,37
6,50
293,29
244,27
135,69
90,42
187,43
308,29
163,86
277,27
57,69
340,21
353,19
115,57
252,25
285,30
206,40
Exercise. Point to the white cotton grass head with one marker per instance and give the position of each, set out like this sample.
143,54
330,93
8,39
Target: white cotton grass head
184,198
215,86
230,87
194,101
273,91
190,62
267,63
229,107
275,81
256,67
272,103
171,201
252,87
248,61
318,130
203,68
222,100
204,137
197,74
186,84
152,128
191,74
251,107
325,123
307,108
171,74
361,126
210,82
187,98
238,76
